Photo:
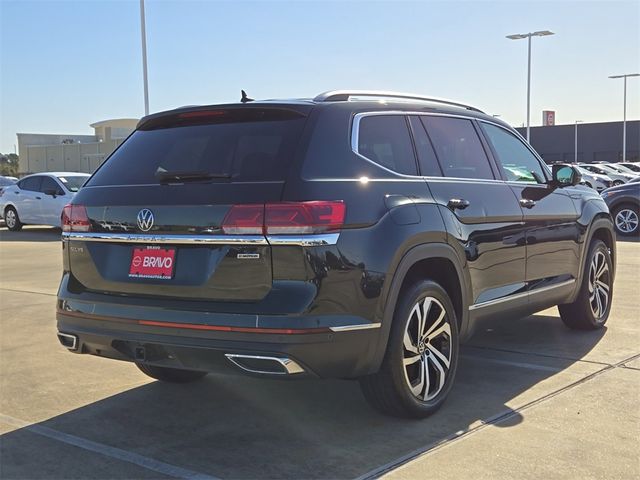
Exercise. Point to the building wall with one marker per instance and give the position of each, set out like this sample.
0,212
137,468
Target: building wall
47,153
596,142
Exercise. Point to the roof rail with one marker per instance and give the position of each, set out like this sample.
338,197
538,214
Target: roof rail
344,95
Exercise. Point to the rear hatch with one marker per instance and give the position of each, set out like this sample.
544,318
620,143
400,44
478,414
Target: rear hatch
167,215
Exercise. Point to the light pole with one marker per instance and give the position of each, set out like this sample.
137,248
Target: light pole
520,36
144,58
575,156
624,109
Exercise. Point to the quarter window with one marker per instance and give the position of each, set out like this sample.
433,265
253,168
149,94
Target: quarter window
385,140
518,163
458,147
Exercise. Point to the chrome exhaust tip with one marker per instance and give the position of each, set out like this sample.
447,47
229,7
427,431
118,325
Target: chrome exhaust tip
69,341
265,365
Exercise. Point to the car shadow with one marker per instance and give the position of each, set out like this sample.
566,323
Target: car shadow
30,234
241,427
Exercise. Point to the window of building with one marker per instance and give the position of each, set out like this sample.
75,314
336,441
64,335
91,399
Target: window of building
458,147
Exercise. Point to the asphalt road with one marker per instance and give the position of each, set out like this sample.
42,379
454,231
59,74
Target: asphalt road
532,400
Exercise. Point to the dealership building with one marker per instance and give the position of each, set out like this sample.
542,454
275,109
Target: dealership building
41,152
596,142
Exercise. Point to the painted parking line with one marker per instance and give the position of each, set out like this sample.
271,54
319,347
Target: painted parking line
106,450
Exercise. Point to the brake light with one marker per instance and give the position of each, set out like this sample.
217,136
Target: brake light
303,217
75,219
244,220
202,114
285,218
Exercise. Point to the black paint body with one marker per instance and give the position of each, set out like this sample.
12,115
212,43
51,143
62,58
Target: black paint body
497,253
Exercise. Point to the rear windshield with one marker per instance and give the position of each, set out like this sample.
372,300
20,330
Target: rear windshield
240,150
6,181
73,182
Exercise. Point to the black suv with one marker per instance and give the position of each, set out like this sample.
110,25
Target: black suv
357,235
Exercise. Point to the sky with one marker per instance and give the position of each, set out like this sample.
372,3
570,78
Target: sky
66,64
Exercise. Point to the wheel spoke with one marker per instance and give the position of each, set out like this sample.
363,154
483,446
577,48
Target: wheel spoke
426,307
604,300
445,328
434,325
602,285
599,305
441,375
603,268
411,360
408,343
417,389
439,355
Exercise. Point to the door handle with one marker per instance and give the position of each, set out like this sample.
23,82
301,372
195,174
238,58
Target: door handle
527,203
458,203
38,198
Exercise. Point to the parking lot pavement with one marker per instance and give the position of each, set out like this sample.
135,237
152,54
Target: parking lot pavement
532,399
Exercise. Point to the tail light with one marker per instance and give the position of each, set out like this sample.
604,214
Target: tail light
75,219
285,218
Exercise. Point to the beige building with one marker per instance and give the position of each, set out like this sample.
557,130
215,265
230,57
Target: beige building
72,153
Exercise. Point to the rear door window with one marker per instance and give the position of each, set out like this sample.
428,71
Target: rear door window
385,140
235,148
458,147
32,183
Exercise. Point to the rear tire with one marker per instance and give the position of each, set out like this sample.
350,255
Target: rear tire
12,220
591,308
170,375
422,355
617,182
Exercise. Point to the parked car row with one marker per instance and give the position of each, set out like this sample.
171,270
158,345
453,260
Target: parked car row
38,199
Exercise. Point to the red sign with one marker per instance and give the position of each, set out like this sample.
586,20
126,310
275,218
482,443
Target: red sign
152,262
548,118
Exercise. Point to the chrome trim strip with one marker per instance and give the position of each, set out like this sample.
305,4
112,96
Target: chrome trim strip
355,132
171,239
301,240
516,296
349,328
291,367
304,240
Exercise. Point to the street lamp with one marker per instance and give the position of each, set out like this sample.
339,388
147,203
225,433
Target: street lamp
144,58
624,118
520,36
575,156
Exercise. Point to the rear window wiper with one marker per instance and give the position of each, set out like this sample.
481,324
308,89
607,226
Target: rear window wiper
188,176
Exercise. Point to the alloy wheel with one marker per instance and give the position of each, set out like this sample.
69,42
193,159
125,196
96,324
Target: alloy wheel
10,218
427,349
599,285
627,220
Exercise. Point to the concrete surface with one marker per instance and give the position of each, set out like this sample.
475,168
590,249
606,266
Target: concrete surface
532,399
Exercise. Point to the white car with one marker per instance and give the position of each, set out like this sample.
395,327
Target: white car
595,180
617,177
39,199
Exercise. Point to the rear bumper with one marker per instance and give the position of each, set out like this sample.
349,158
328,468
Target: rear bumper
326,347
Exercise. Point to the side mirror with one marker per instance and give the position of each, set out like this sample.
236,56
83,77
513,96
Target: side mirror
51,191
565,175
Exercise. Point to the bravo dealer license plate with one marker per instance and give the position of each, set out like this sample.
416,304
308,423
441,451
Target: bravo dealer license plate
152,262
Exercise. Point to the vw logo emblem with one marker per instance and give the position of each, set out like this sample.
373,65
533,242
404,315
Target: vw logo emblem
145,219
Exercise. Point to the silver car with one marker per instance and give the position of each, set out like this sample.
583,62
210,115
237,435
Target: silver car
617,177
